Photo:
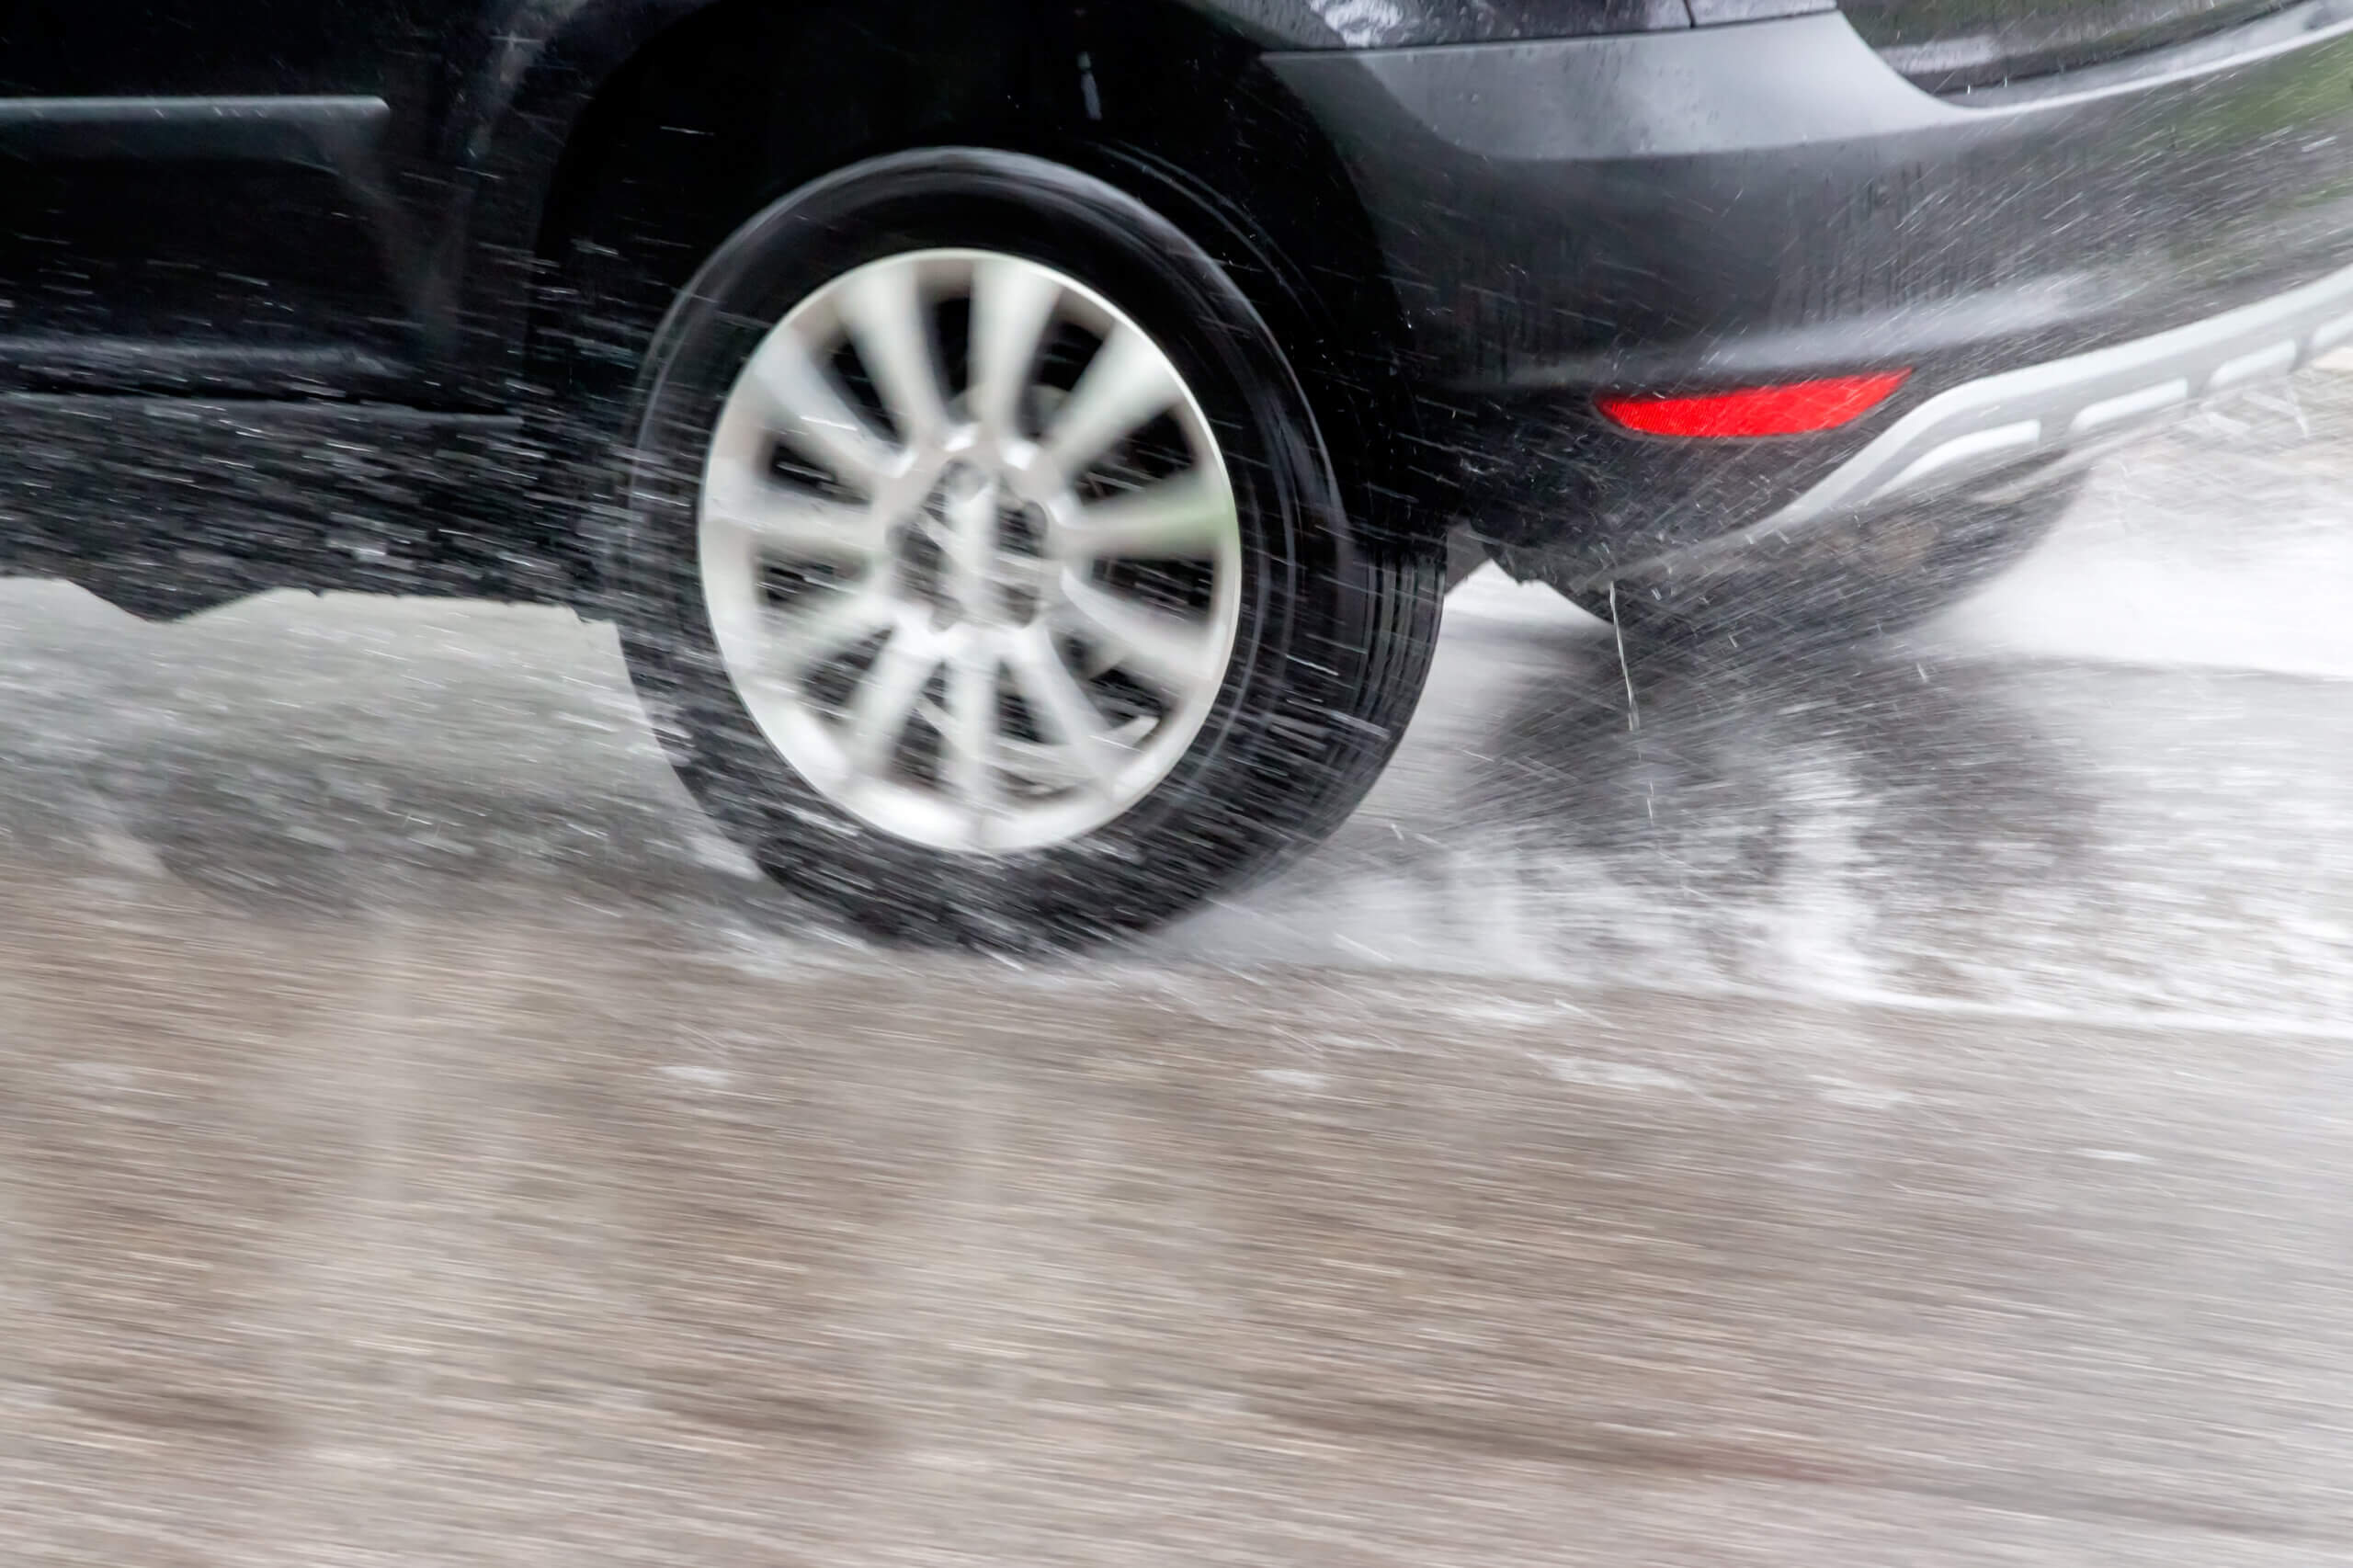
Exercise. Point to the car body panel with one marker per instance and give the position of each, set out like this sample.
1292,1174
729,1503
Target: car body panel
229,181
1955,45
397,268
1725,207
324,184
258,204
1398,24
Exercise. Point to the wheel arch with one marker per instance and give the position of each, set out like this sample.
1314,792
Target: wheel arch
658,128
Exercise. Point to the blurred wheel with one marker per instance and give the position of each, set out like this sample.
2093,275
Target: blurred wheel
983,569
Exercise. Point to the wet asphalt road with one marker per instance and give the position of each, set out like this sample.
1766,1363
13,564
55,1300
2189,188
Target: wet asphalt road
1885,1107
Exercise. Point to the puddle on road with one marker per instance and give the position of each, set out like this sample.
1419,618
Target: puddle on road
2118,782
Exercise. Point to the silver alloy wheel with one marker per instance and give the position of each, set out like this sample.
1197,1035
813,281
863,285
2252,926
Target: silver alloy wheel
981,601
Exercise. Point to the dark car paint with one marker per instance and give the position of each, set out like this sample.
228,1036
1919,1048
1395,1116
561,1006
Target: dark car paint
189,253
395,247
1956,45
451,116
1412,24
1731,206
274,264
401,152
1401,24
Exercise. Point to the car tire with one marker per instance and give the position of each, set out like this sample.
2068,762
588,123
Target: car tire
1839,581
1220,692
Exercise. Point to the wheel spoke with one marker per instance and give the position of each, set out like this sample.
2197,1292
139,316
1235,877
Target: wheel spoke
1128,381
970,542
886,700
1166,652
787,521
1013,303
1182,518
818,420
798,639
971,730
892,327
1058,702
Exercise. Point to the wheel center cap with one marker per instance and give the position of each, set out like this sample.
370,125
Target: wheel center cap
994,566
961,480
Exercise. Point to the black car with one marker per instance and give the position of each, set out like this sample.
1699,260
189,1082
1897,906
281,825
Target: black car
1022,441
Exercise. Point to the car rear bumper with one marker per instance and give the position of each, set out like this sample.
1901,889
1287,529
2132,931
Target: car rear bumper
1993,428
1729,206
2019,415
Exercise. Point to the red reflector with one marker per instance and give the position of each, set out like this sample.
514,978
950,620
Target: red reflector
1787,410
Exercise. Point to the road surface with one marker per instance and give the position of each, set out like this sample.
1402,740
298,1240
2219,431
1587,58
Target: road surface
1892,1107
